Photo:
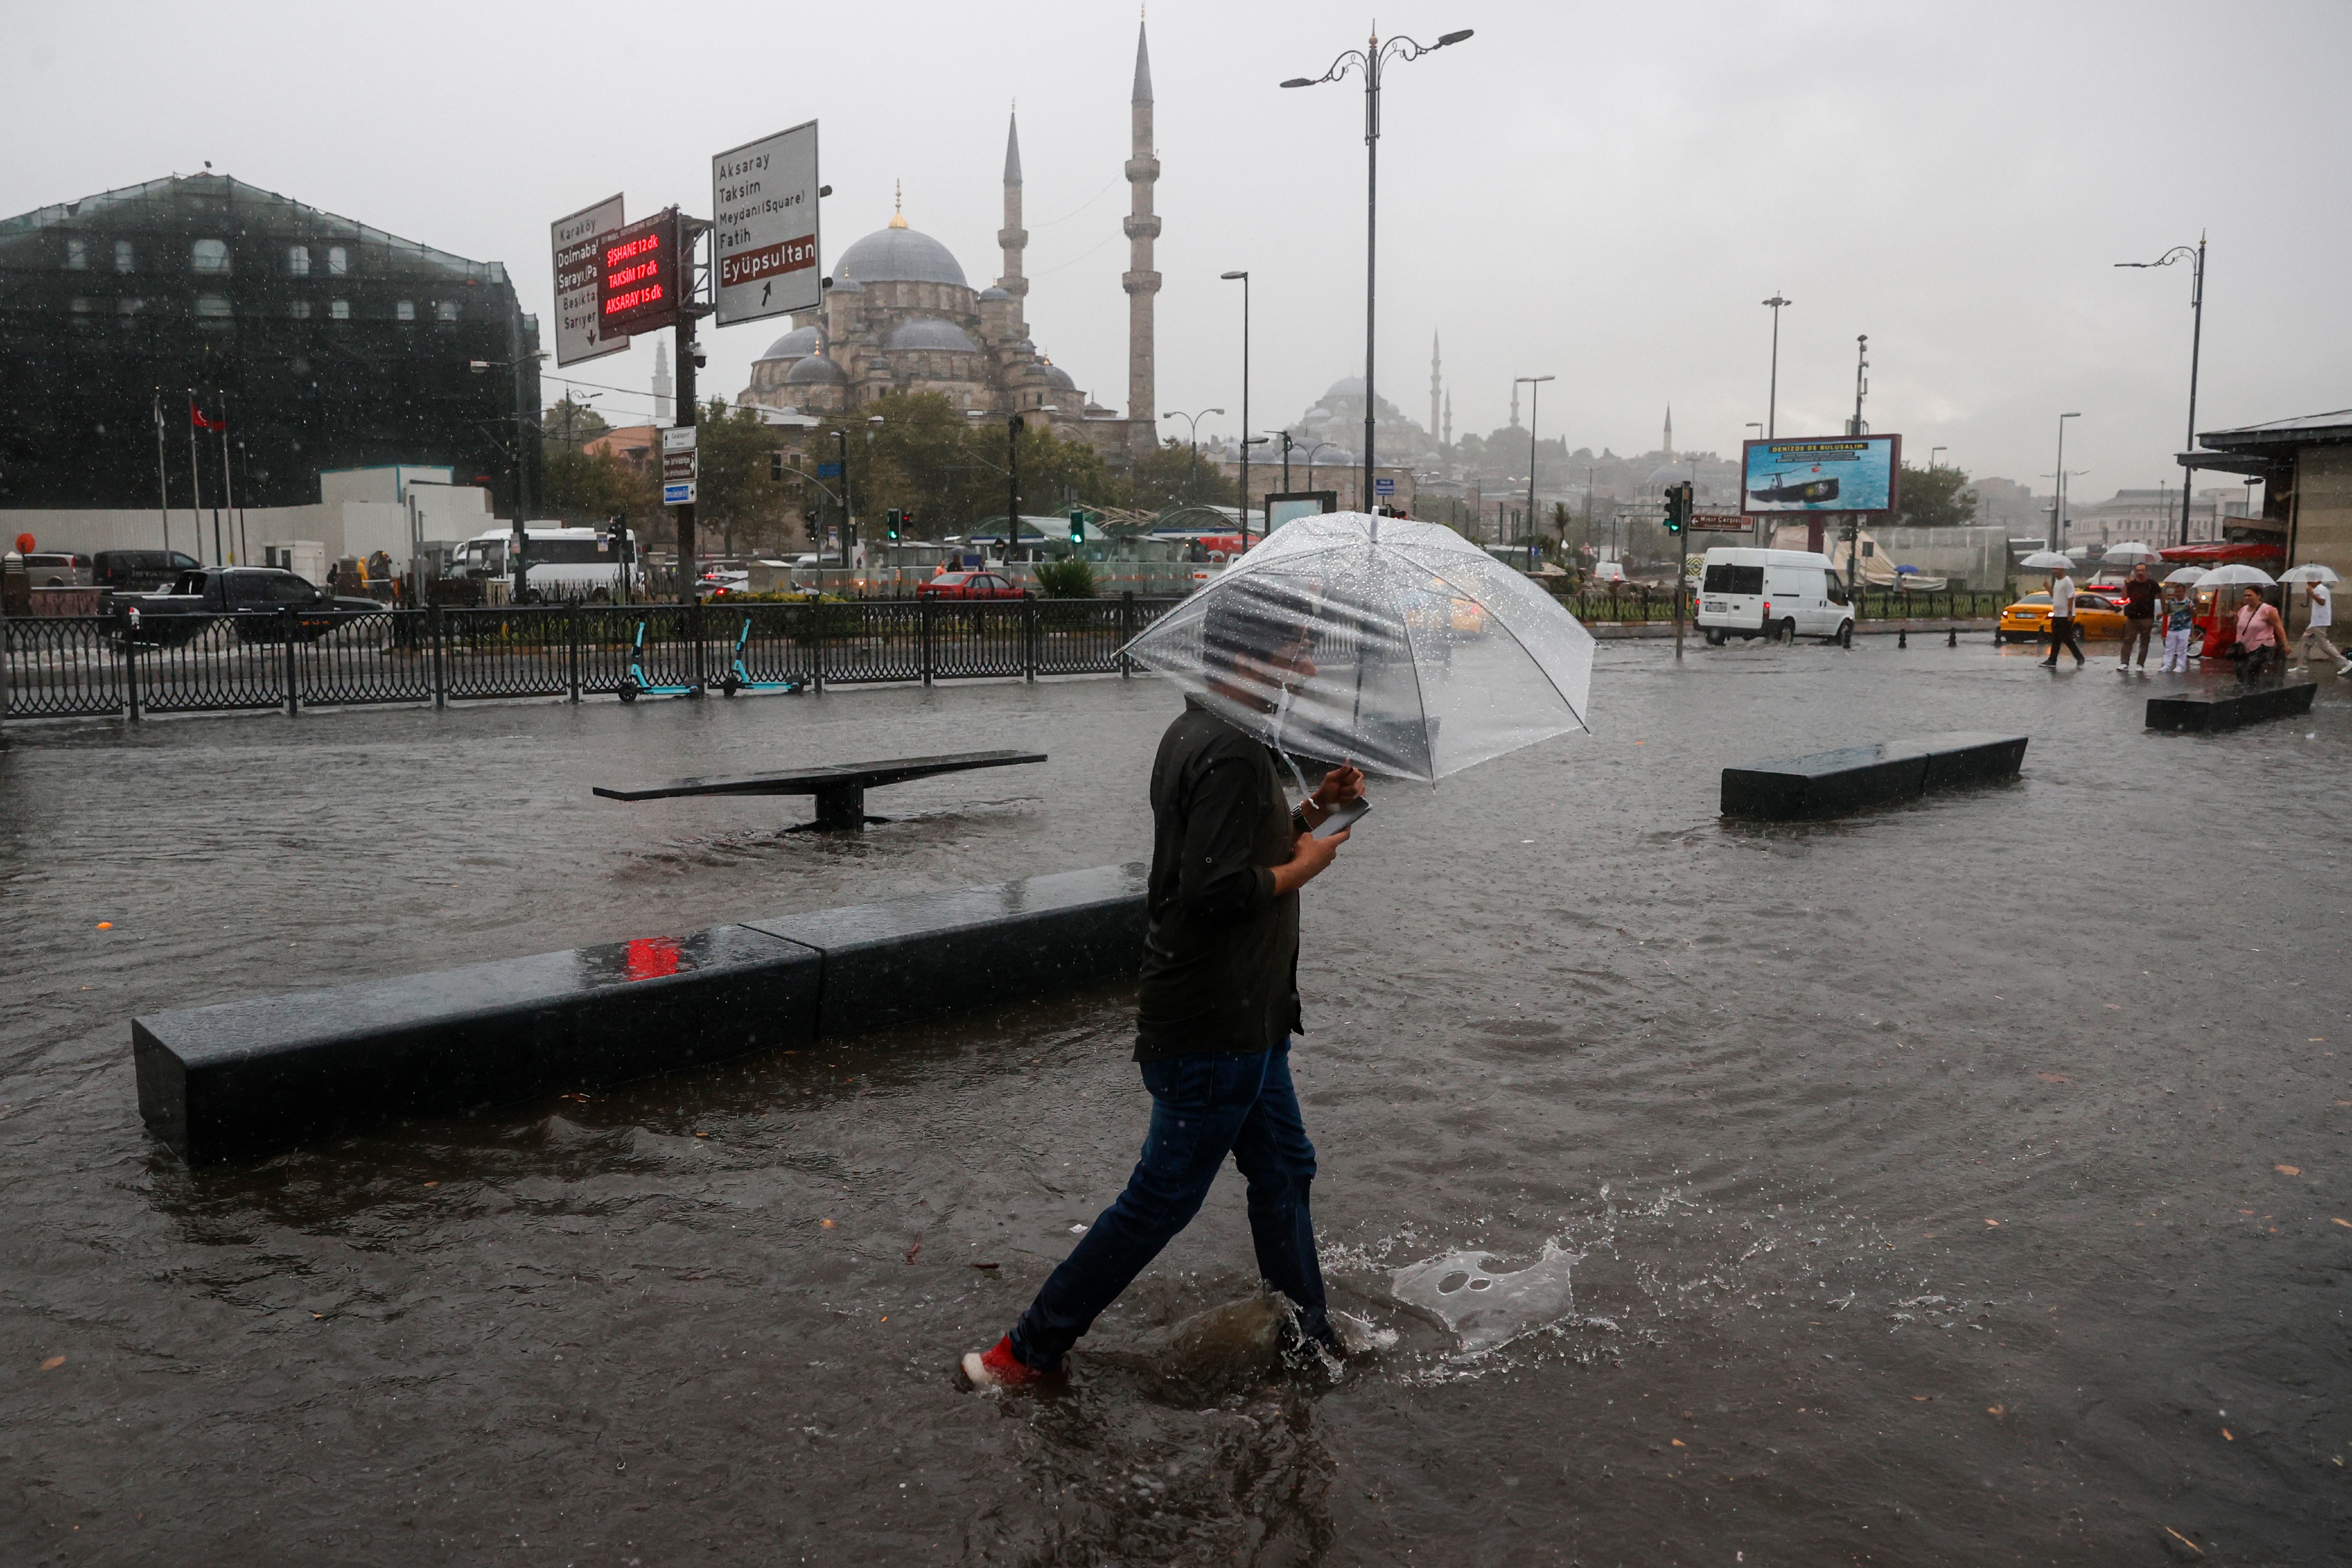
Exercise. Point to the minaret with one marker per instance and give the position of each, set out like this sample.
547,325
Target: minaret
1140,282
664,388
1434,382
1670,432
1012,236
1449,419
1514,405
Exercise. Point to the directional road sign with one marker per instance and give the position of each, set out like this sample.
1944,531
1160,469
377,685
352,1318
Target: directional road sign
579,262
763,235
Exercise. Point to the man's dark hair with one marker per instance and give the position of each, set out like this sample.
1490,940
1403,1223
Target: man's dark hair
1255,618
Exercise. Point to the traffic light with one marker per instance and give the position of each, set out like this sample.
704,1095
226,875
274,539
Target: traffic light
1678,506
890,524
1077,525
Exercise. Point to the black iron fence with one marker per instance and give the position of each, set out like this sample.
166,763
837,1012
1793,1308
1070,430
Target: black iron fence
1634,603
65,666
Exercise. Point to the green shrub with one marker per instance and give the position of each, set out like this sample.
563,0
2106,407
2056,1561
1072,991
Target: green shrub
1072,579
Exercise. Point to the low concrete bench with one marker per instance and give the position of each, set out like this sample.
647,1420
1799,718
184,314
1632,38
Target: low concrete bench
247,1079
839,787
2230,708
1831,783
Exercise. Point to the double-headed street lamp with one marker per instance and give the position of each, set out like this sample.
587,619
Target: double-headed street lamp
2196,341
1772,397
1372,60
1192,423
2058,485
1312,451
1536,383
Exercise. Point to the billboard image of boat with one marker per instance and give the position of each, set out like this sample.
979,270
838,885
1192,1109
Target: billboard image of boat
1827,474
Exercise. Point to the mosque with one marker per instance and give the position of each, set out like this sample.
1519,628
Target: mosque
899,315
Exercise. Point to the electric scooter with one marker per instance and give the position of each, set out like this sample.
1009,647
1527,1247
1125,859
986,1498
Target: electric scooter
633,685
739,679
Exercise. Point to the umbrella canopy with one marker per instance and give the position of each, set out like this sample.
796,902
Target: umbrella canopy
1428,655
2130,553
2234,574
2046,561
2309,572
2190,575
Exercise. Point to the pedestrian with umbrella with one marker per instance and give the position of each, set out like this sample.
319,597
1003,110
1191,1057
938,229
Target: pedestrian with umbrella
1347,639
2180,619
2062,605
2139,616
2314,643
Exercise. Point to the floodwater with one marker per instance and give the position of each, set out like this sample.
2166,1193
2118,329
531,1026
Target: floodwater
1955,1184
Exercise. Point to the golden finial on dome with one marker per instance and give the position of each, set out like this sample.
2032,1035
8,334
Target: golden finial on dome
898,204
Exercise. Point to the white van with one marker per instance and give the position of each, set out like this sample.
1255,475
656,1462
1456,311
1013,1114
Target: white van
561,562
1787,593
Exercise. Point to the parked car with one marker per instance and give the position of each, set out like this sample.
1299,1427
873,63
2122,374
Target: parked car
1782,593
971,585
257,595
141,570
56,569
2028,621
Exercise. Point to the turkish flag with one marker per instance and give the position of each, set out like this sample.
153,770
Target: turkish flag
196,417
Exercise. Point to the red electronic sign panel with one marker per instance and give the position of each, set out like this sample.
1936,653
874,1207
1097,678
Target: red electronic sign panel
639,289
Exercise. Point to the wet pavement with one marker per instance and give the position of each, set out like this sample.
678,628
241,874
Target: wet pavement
1955,1184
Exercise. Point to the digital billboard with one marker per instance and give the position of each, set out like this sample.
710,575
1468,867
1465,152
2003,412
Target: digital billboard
638,290
1820,474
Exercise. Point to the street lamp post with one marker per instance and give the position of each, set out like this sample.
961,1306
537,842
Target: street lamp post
1012,434
1193,425
1372,60
1536,383
1933,453
2058,485
1740,482
1312,451
2196,343
1772,398
1244,277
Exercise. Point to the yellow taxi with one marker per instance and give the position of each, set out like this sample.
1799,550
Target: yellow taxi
2028,621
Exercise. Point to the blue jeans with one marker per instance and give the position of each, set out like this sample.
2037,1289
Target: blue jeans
1202,1108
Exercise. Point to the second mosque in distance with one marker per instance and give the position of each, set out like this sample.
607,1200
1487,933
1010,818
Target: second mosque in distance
901,317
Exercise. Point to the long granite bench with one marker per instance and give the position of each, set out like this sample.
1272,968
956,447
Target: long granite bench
1831,783
2230,707
839,787
245,1079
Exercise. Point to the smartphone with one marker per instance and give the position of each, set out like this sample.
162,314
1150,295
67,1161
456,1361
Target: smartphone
1343,817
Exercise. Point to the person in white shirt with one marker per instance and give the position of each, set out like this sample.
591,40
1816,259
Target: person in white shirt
2061,620
2314,642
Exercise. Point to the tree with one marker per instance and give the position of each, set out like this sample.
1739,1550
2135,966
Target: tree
734,492
1170,476
1936,497
569,424
593,486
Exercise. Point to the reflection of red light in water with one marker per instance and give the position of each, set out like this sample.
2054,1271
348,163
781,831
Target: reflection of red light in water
650,957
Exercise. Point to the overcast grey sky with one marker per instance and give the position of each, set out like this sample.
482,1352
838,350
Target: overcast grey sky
1602,192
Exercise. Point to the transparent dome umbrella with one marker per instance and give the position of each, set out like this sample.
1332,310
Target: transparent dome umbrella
2130,553
2237,574
2309,572
2047,560
2187,576
1397,645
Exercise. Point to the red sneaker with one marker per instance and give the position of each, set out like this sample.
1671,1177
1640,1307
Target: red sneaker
998,1367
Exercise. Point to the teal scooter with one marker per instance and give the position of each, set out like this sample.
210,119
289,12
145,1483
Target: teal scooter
634,685
738,678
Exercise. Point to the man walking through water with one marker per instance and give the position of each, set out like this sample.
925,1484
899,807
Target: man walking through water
1219,1000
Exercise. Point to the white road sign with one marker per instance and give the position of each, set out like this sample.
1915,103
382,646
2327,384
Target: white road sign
579,259
763,234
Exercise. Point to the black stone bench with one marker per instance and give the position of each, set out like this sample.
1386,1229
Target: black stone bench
1831,783
839,787
2229,709
247,1079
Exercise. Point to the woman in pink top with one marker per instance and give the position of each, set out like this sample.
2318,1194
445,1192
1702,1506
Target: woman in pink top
2262,635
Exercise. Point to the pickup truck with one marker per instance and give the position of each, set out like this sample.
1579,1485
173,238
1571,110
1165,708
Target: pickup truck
258,596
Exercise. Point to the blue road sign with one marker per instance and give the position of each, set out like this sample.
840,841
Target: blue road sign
828,470
679,494
1383,486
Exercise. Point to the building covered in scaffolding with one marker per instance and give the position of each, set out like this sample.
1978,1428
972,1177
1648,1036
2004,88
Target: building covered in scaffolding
321,343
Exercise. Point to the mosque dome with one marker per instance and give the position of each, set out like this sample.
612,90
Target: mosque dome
816,371
1669,474
797,344
842,280
993,292
930,332
901,255
1059,378
1346,386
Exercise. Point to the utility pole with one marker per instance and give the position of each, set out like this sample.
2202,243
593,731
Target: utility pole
1772,400
1013,499
1245,280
